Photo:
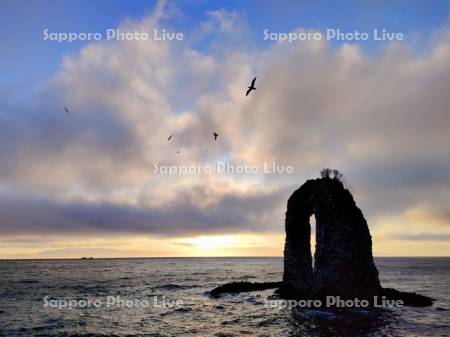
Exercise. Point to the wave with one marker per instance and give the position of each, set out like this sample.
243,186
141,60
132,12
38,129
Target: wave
172,286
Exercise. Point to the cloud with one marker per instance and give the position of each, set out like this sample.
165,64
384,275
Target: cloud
422,237
186,214
381,119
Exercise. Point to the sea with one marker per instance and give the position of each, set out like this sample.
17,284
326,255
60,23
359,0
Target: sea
170,297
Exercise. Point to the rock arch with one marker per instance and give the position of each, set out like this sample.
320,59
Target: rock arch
343,261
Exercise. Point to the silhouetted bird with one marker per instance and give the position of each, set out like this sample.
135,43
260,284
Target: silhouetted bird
67,110
170,137
215,135
178,151
251,87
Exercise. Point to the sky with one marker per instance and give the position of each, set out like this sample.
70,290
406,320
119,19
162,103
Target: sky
94,182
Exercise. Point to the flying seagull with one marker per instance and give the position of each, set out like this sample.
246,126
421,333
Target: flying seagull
67,110
170,137
251,87
215,135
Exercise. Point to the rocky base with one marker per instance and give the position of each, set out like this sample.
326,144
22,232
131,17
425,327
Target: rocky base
239,287
409,299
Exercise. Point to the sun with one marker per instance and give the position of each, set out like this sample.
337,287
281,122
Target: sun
243,244
213,243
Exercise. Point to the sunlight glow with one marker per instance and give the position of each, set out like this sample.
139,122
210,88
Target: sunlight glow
213,242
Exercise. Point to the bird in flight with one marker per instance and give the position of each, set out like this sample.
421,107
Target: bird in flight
251,87
66,110
170,137
215,135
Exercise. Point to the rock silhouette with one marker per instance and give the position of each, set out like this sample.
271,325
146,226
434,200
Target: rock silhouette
343,261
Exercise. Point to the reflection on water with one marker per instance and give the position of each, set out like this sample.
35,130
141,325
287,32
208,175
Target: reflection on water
24,284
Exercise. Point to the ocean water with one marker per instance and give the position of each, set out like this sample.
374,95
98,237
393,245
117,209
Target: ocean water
30,290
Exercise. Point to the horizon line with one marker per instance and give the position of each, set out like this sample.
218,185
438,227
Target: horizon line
196,257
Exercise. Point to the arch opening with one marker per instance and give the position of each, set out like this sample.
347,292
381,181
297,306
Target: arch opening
312,225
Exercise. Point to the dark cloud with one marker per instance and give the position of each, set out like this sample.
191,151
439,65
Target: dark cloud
422,237
185,215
